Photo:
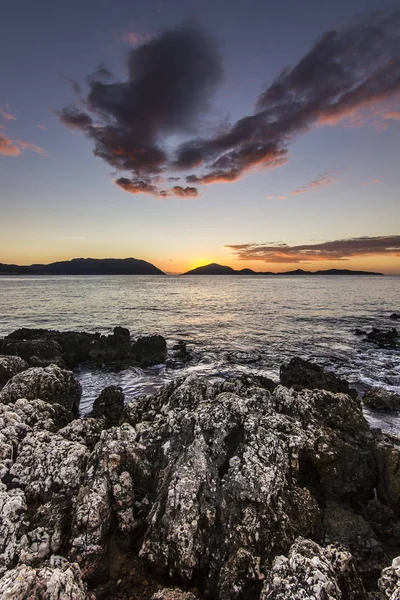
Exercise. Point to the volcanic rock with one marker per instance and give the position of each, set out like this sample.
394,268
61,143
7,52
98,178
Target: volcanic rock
301,374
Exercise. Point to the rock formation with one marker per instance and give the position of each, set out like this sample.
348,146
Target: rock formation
238,489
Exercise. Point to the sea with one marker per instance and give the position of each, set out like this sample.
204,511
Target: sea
231,324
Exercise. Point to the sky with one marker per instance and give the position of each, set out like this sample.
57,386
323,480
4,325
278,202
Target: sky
256,134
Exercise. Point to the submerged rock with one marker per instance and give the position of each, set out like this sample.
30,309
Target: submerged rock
52,384
110,405
380,399
384,338
10,366
299,374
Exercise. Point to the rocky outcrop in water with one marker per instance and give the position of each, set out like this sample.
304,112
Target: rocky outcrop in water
303,374
42,347
380,399
383,338
230,490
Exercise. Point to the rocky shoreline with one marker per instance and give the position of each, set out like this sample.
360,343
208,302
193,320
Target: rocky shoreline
239,489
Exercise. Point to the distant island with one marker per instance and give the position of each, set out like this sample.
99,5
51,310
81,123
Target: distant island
134,266
215,269
86,266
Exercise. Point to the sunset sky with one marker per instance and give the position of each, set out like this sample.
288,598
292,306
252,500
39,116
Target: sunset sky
253,133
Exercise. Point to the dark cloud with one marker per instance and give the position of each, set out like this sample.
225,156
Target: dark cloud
169,82
335,250
137,186
345,71
168,87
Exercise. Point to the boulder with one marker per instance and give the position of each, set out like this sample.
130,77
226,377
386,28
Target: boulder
10,366
380,399
110,405
59,580
301,374
395,316
313,573
52,384
149,350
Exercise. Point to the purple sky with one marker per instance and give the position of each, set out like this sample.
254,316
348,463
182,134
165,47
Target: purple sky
206,149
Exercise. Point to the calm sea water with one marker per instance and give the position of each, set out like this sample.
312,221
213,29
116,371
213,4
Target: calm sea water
232,324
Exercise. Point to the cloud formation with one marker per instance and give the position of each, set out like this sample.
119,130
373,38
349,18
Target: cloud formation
321,181
7,148
6,113
15,148
171,78
169,82
335,250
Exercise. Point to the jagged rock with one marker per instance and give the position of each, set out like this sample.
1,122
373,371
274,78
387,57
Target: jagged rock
240,477
389,583
10,366
47,463
86,431
380,399
117,481
59,580
52,384
173,594
13,524
110,405
395,316
313,573
301,374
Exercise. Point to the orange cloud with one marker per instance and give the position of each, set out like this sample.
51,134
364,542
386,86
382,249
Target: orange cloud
334,250
373,182
10,148
395,115
7,148
321,181
6,114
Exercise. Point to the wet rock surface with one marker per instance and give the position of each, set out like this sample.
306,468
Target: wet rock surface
239,489
70,349
384,338
380,399
300,374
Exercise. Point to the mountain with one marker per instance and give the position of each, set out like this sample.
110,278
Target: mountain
86,266
215,269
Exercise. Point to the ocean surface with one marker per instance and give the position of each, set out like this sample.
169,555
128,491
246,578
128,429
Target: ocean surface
232,324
